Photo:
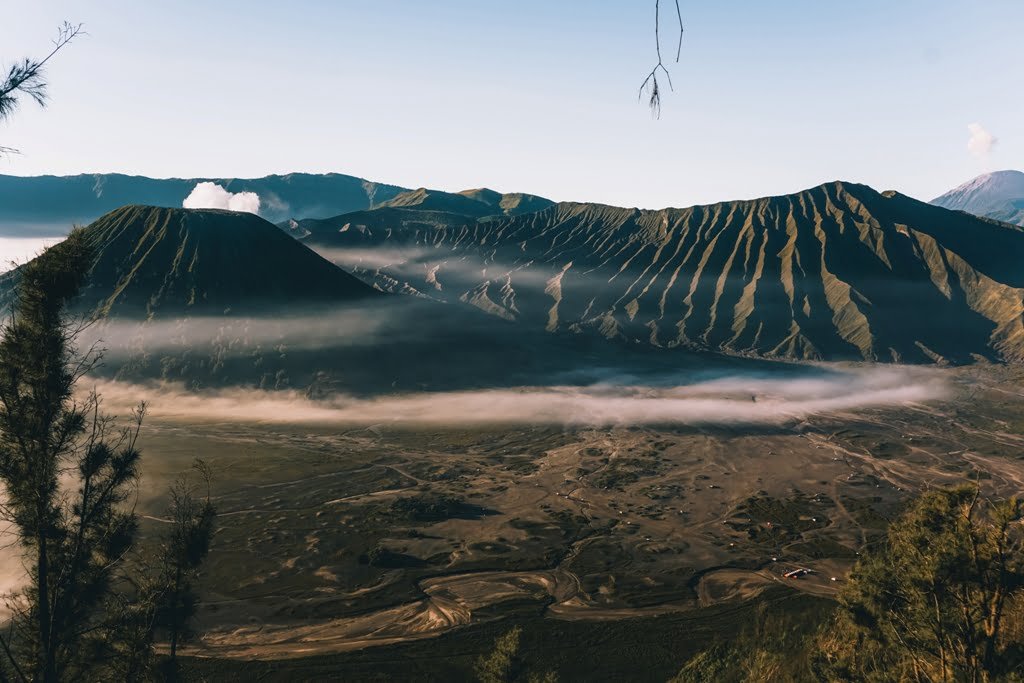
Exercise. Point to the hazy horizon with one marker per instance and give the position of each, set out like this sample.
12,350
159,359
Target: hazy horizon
385,181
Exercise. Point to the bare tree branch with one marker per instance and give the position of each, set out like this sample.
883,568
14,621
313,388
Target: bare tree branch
650,87
679,47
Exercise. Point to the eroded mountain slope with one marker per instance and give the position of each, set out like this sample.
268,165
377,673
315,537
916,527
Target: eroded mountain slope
158,262
837,271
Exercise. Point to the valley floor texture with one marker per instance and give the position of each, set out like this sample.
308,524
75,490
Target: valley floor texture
336,543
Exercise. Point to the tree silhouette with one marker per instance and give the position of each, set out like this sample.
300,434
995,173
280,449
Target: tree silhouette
66,472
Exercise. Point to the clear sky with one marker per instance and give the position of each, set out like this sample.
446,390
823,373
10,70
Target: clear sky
533,95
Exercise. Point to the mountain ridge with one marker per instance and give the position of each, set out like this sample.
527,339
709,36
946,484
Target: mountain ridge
50,204
835,271
478,203
219,298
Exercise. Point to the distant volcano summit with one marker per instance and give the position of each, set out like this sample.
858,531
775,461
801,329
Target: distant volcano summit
998,195
158,262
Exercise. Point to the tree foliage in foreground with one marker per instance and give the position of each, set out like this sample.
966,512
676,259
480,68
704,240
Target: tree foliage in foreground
504,664
941,601
182,553
89,608
66,473
774,647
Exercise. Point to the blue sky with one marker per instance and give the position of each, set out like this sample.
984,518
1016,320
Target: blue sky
533,96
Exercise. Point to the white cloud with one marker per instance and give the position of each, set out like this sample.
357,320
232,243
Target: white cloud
213,196
981,141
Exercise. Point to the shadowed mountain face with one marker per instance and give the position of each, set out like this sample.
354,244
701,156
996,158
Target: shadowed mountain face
998,195
838,271
50,205
155,262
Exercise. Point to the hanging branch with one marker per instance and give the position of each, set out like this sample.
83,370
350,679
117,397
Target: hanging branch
650,85
26,78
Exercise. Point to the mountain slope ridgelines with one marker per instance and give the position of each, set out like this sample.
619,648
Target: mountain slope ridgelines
838,271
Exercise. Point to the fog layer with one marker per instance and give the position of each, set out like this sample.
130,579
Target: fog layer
735,400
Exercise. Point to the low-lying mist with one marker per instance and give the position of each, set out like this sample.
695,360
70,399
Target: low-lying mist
355,324
732,400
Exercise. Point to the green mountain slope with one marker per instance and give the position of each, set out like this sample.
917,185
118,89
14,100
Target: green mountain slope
837,271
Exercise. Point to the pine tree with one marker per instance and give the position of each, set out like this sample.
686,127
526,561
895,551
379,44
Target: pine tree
934,603
66,471
181,554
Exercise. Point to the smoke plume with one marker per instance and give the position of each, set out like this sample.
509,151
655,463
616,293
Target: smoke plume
980,142
213,196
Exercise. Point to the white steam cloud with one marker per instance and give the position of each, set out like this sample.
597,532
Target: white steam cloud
980,142
213,196
728,401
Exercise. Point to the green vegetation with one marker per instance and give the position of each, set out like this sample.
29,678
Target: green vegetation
776,647
90,608
70,617
942,599
938,600
182,553
504,664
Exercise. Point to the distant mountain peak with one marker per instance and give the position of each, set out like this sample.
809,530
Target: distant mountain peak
484,194
997,195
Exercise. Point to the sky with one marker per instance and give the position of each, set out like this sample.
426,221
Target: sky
534,96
